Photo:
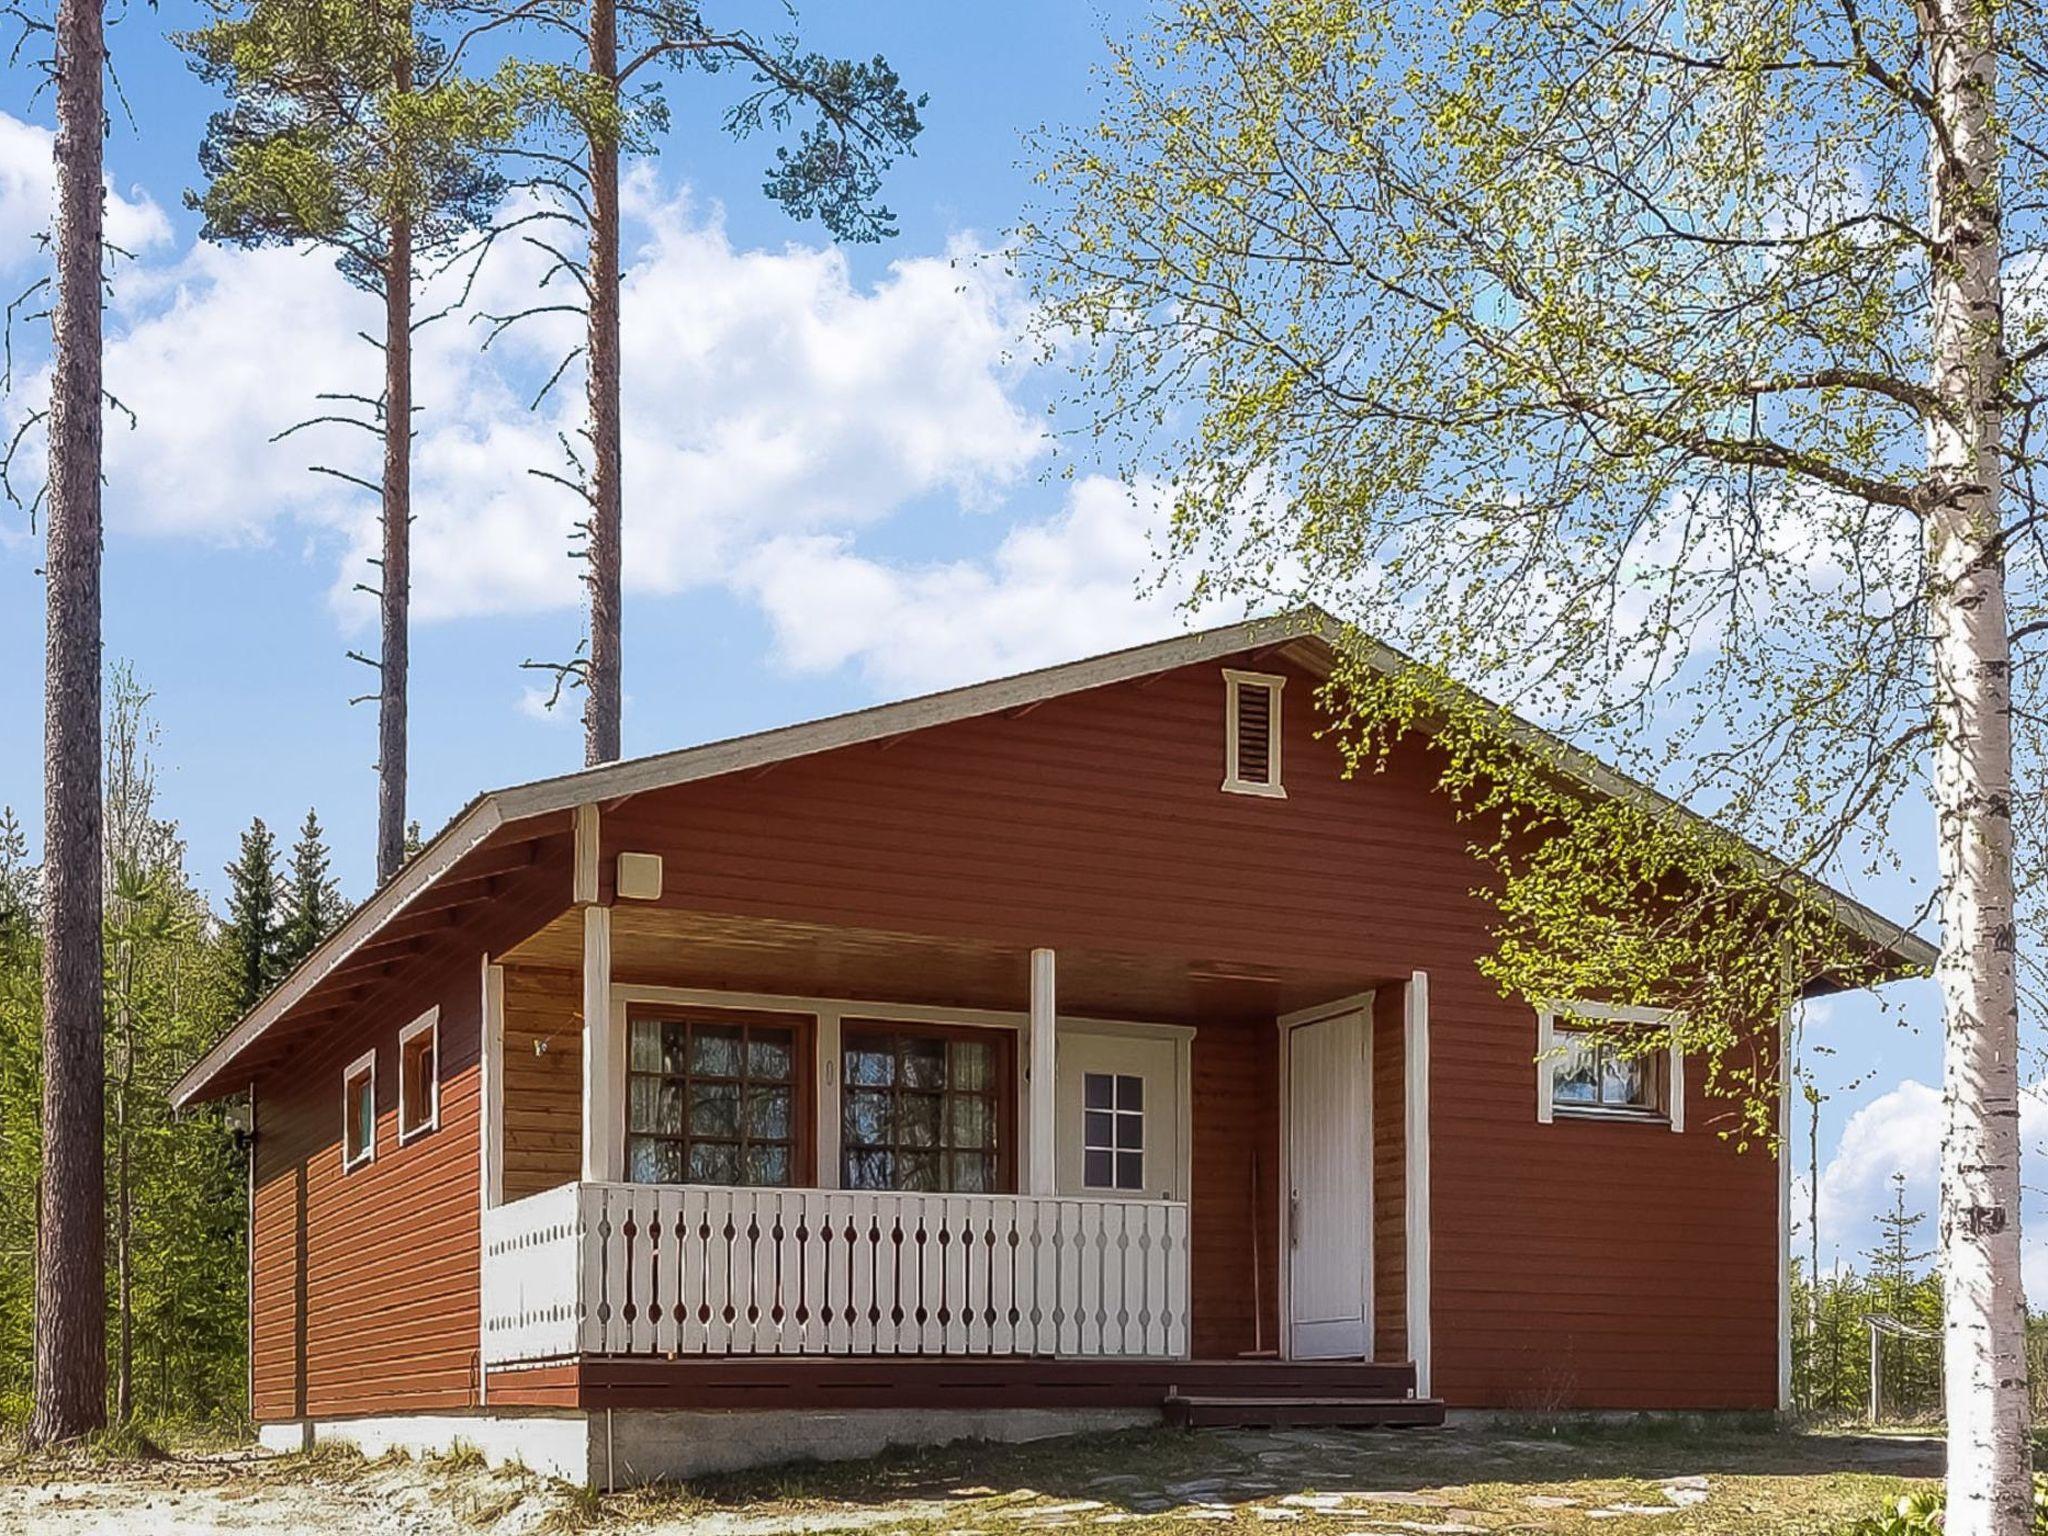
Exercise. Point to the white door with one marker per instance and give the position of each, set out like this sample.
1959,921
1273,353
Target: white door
1329,1207
1118,1116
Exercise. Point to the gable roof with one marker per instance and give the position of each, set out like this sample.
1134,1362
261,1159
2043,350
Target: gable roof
1308,637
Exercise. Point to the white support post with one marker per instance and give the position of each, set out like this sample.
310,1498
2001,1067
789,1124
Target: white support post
830,1124
1043,1178
1415,1055
603,1142
583,878
1785,1028
491,1106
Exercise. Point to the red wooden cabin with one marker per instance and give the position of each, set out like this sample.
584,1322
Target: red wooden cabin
1056,1051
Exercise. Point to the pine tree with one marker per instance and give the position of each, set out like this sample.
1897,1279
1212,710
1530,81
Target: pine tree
252,933
313,904
350,127
859,118
71,1353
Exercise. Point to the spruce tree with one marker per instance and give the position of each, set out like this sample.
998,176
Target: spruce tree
253,934
313,904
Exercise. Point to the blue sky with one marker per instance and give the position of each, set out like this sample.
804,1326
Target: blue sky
839,488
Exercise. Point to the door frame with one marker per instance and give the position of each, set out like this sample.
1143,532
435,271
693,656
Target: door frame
1360,1003
1182,1038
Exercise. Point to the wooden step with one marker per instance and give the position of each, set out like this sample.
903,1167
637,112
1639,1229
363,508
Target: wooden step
1293,1412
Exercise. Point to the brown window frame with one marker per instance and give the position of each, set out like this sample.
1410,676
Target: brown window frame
1002,1090
803,1099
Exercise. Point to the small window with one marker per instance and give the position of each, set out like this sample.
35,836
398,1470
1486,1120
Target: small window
1587,1070
1251,734
1592,1073
925,1109
419,1087
1112,1131
359,1111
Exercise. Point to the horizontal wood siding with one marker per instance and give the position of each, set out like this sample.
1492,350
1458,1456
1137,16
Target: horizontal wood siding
1390,1173
1593,1266
1232,1215
366,1281
543,1080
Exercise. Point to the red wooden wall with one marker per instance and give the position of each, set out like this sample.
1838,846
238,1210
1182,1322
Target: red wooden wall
1597,1266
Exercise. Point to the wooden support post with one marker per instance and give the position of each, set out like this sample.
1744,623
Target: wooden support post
1043,1178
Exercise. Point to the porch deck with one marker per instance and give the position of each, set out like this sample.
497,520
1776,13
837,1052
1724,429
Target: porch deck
1205,1392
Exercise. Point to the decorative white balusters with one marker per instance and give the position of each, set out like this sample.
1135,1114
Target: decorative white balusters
622,1269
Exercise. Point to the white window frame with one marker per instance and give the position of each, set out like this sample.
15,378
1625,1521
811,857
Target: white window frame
428,1023
1235,682
363,1065
1548,1028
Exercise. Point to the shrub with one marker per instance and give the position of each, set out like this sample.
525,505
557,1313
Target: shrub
1919,1514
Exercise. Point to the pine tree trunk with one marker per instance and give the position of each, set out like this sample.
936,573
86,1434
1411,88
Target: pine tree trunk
393,656
124,1199
601,701
71,1331
1984,1342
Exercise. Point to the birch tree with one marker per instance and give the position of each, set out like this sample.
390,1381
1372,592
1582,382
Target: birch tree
849,121
347,127
1669,370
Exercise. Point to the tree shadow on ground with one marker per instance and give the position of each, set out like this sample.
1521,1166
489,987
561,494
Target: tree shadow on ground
1156,1470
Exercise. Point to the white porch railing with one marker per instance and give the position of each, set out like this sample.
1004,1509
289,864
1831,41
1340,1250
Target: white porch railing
638,1269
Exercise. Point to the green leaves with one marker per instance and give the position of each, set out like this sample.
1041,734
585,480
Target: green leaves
343,116
1580,353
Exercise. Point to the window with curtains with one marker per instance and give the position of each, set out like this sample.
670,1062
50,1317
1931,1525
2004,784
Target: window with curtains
715,1099
1594,1074
926,1109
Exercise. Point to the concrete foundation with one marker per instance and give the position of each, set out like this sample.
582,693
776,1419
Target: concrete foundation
619,1447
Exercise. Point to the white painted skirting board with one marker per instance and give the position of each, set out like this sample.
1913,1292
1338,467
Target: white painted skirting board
644,1445
553,1444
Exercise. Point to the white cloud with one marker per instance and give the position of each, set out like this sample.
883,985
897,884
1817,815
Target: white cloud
28,181
777,412
1901,1132
1066,587
767,396
1897,1132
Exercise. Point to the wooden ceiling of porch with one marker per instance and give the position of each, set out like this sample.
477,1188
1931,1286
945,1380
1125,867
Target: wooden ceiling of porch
662,946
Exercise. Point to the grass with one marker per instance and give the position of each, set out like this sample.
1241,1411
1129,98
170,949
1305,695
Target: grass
1571,1477
1549,1476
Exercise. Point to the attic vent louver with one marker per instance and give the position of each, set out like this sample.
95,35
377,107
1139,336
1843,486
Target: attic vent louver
1251,733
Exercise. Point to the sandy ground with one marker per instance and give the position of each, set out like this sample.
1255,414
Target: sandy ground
1450,1481
247,1491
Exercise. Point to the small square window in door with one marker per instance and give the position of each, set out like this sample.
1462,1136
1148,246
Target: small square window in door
1112,1131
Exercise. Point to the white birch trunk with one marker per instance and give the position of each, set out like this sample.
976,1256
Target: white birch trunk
1984,1349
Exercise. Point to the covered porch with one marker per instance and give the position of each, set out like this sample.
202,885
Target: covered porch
791,1147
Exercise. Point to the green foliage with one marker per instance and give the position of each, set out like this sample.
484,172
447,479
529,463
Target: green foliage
313,904
176,1198
850,119
1580,354
252,933
1912,1514
344,117
1920,1514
